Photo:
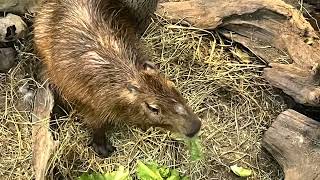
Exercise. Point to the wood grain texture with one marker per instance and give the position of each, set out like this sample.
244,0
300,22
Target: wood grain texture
271,29
42,140
294,141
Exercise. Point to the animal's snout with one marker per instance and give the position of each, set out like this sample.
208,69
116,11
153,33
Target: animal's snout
194,128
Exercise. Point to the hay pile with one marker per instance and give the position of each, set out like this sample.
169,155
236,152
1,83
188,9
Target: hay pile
15,131
220,81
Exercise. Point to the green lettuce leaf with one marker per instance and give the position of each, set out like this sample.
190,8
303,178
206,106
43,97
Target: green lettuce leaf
150,172
240,171
120,174
194,146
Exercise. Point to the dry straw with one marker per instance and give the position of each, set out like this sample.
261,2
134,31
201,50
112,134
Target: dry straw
221,82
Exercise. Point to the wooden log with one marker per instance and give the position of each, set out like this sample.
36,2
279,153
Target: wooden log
294,141
310,8
267,27
272,29
298,83
42,140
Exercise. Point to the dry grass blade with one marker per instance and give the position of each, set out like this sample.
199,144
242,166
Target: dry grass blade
235,103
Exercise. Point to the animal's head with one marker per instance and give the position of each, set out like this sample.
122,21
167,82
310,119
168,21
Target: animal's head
159,103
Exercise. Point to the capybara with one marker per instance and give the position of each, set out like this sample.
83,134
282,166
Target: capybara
92,54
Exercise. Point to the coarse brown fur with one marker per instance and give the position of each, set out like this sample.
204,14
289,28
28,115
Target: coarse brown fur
143,10
91,53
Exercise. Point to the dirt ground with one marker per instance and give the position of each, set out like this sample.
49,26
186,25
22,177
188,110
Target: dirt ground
222,83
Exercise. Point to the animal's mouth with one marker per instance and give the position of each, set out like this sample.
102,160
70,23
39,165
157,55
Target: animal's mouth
193,128
189,132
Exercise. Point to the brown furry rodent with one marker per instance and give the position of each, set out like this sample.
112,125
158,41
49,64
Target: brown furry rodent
91,53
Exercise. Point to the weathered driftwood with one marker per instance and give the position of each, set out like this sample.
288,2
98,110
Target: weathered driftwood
300,84
266,27
272,29
294,141
313,13
42,140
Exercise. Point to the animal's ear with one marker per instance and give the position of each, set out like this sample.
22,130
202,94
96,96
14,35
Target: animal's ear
133,88
170,83
149,66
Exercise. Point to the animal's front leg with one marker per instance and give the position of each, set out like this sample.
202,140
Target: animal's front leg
101,144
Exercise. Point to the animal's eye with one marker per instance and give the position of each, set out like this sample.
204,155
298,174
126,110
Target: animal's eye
153,108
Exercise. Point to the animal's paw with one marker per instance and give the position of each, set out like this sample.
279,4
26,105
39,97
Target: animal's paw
103,149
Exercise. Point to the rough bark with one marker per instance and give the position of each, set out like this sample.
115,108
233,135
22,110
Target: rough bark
42,140
267,27
272,29
300,84
294,141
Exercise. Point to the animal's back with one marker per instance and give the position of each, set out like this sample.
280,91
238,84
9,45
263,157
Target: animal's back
84,50
91,53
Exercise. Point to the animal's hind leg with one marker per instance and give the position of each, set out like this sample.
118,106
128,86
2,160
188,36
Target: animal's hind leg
100,143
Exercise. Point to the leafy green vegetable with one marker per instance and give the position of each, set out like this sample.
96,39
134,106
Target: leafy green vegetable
195,148
164,172
193,144
98,176
120,174
173,178
185,178
240,171
150,172
174,172
93,176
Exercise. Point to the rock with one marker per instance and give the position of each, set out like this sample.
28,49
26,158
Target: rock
7,59
12,27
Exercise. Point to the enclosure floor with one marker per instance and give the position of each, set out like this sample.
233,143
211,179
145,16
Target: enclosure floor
222,83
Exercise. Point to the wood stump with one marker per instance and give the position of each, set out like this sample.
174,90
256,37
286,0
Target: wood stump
294,141
42,140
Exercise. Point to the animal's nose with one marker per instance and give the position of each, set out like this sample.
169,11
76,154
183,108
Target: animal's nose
194,128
